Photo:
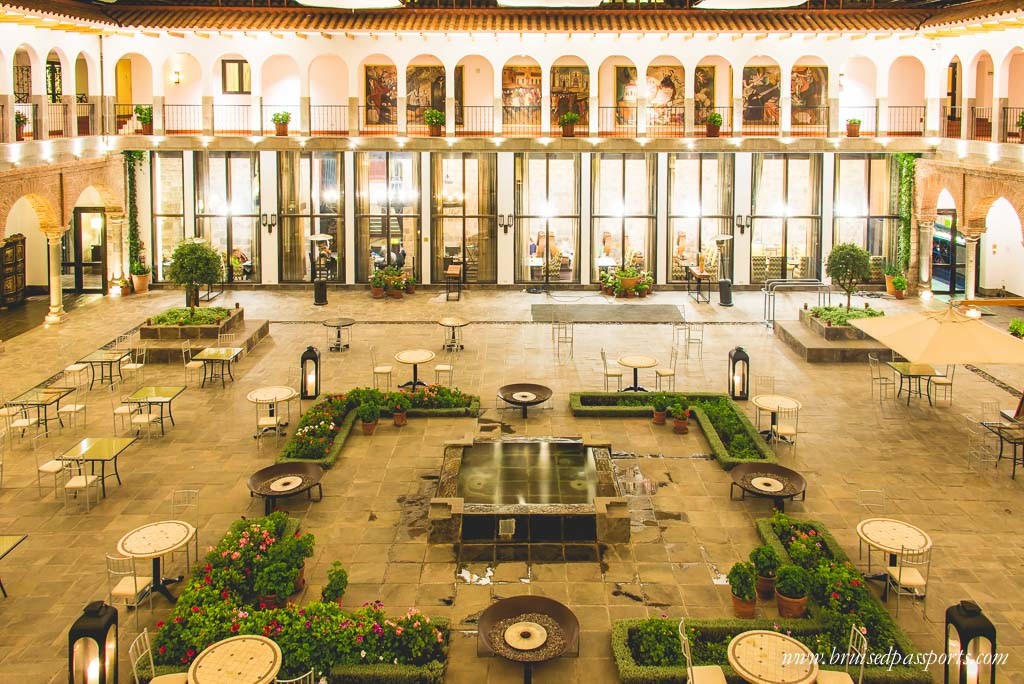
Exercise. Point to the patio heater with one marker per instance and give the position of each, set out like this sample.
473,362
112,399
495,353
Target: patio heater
739,374
724,284
970,641
92,646
309,378
319,283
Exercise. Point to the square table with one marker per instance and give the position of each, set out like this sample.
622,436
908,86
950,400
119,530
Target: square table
212,356
161,396
42,398
702,277
105,359
912,372
102,450
7,544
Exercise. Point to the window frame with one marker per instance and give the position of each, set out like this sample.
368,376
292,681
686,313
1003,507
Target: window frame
242,66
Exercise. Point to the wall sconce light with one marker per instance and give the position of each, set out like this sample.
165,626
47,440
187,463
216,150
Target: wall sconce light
506,221
742,222
310,377
92,646
176,77
268,221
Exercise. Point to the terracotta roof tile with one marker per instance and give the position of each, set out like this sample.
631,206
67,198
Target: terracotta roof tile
975,11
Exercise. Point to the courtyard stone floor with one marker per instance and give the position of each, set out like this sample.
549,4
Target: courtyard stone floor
372,517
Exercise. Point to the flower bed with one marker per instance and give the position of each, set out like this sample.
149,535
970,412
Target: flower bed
192,323
840,315
323,429
210,315
223,599
649,650
731,435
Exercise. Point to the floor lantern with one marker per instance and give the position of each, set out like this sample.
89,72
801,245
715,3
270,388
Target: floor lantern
92,646
739,374
310,377
970,645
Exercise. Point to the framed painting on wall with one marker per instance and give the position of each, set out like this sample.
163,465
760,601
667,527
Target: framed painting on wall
626,95
809,88
761,94
570,92
520,94
381,94
665,91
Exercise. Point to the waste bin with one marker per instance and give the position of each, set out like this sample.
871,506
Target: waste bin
725,292
320,292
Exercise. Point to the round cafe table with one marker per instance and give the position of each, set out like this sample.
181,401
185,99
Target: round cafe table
273,395
452,323
239,660
636,362
414,357
773,403
765,657
337,343
154,541
891,537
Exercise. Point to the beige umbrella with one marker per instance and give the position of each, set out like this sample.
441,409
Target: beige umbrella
943,337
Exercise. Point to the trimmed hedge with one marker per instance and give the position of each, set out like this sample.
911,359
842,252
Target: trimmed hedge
603,404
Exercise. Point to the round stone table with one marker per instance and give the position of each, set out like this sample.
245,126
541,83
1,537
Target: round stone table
154,541
239,660
414,357
765,657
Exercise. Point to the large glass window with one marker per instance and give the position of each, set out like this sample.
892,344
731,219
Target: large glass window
167,207
786,218
622,198
700,207
465,215
547,217
311,205
236,78
387,212
228,209
867,187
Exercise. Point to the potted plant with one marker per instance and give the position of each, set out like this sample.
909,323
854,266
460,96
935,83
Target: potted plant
899,284
791,584
281,121
400,404
434,118
628,277
713,124
568,123
410,284
766,562
194,263
1016,327
337,582
744,596
140,274
396,286
660,403
680,418
369,414
274,583
378,282
642,289
619,291
890,271
20,121
848,265
853,128
144,115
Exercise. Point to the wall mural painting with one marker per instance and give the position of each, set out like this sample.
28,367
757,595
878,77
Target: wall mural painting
381,94
520,94
425,89
626,94
761,94
703,93
570,92
810,95
666,95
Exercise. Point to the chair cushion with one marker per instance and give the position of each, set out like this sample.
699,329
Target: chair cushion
131,366
194,364
911,577
126,586
24,422
123,410
787,430
382,369
76,368
71,408
940,380
51,467
443,368
664,372
81,481
707,674
613,373
143,418
833,677
268,421
9,411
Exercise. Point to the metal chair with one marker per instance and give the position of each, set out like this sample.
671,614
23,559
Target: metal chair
127,586
308,678
872,501
119,408
701,674
763,384
76,372
679,327
785,429
942,382
138,363
191,368
77,481
610,373
564,335
3,449
695,339
185,506
141,655
76,406
856,655
46,462
268,418
20,418
380,372
668,374
880,379
909,577
447,368
982,451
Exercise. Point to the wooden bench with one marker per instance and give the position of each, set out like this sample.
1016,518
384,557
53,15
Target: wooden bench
453,282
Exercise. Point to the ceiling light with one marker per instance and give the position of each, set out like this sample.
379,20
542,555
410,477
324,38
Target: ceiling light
748,4
351,4
561,4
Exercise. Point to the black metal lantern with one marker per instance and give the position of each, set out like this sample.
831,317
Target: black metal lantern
739,374
970,645
92,646
309,378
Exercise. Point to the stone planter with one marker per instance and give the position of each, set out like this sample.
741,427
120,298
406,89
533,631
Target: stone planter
140,283
765,587
743,609
235,320
790,607
832,333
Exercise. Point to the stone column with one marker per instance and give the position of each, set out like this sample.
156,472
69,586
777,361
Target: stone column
882,116
971,274
159,127
56,314
689,113
305,122
353,116
403,116
967,118
207,121
41,122
70,123
7,125
449,115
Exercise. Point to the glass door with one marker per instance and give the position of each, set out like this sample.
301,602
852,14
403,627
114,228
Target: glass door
465,215
949,255
83,252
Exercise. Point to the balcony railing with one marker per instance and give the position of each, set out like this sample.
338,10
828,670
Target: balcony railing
414,123
375,120
474,121
328,120
700,120
230,119
906,122
28,110
183,119
761,120
868,117
84,118
3,129
617,122
981,123
1011,131
267,118
56,119
808,122
520,120
951,121
666,122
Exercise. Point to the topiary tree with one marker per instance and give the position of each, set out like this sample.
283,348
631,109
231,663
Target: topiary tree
194,263
847,266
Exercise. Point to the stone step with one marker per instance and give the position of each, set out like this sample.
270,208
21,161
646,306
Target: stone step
814,348
248,335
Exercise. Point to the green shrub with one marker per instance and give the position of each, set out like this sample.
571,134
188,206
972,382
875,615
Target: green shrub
656,643
368,413
715,119
211,315
194,263
899,283
765,560
281,117
742,579
276,579
840,315
847,265
433,117
659,402
337,582
792,581
144,113
680,410
1016,327
568,118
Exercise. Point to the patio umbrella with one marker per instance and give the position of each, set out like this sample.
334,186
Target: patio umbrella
943,337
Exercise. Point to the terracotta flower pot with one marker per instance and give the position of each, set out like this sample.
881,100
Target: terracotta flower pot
743,609
401,419
765,587
569,130
377,292
410,288
659,417
852,130
712,130
300,579
889,289
280,129
19,133
629,283
368,428
680,426
898,294
790,607
396,293
147,129
140,283
436,130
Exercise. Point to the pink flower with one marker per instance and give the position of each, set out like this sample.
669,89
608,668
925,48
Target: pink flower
359,639
398,631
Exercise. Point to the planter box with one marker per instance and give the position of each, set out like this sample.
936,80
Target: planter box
193,332
833,333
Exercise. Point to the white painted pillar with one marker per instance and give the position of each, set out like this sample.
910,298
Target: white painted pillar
584,256
350,217
971,274
56,314
661,259
426,197
506,205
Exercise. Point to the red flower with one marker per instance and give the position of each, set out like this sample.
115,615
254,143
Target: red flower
262,605
160,624
234,627
184,659
162,650
196,609
225,595
177,620
839,584
855,583
835,595
190,653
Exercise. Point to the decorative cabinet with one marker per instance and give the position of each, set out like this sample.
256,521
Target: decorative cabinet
12,270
